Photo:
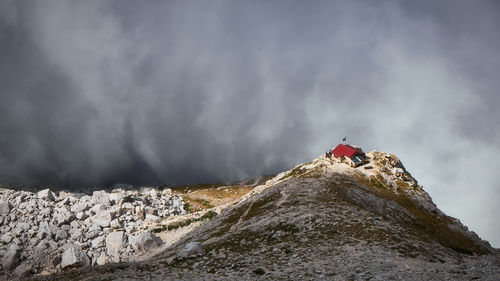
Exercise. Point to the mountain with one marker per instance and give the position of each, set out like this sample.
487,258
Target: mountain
323,220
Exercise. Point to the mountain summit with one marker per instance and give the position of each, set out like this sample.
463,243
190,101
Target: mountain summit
334,218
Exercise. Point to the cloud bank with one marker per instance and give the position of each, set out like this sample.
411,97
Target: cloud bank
99,92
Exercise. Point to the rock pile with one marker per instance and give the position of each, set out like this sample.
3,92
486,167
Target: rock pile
46,232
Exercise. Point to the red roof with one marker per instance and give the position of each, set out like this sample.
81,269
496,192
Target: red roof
346,150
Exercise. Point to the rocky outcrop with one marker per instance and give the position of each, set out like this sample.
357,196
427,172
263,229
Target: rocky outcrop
46,232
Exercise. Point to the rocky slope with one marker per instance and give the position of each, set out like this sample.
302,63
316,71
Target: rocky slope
44,232
321,220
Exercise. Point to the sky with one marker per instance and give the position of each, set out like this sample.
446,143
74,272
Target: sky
178,92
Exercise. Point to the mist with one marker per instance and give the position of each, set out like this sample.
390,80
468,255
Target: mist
181,92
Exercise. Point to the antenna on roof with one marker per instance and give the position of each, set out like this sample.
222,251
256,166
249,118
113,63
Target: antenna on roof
344,139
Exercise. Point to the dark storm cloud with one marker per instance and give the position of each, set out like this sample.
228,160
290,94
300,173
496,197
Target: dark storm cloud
97,92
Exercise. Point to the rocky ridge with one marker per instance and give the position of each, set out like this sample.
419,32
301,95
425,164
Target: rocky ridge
45,232
323,220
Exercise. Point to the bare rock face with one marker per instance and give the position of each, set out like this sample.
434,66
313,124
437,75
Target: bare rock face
74,257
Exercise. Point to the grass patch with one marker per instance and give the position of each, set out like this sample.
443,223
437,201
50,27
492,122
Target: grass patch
195,187
204,199
374,181
314,173
297,171
402,184
429,226
200,201
187,207
424,225
207,216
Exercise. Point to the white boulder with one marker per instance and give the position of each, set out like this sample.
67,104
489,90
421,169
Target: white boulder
46,194
74,257
4,207
146,241
103,259
101,197
115,242
102,219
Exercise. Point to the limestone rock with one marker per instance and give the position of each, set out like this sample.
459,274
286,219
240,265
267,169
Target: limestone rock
127,206
98,242
11,258
115,224
79,226
77,208
101,197
153,193
115,242
63,216
23,271
46,212
60,235
4,207
139,212
6,238
102,219
76,234
146,241
150,210
44,230
46,194
166,192
81,216
116,198
74,257
97,209
103,259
